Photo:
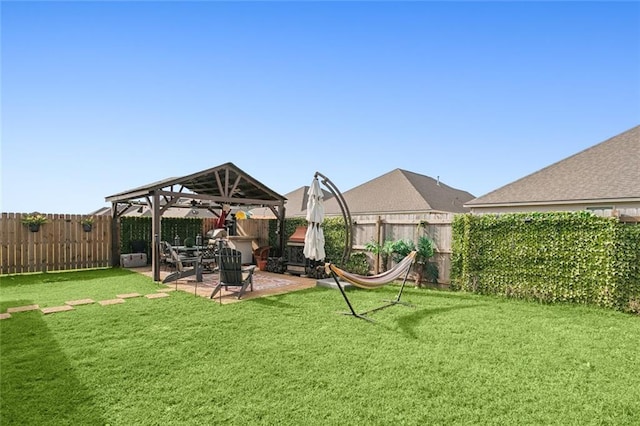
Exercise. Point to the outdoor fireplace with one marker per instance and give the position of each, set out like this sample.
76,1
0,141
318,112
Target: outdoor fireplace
296,262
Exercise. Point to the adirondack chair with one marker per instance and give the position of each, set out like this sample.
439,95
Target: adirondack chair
166,259
183,271
232,274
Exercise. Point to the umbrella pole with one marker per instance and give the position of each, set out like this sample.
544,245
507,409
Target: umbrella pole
346,214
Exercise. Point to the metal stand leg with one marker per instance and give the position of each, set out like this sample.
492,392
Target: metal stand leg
397,299
362,315
346,299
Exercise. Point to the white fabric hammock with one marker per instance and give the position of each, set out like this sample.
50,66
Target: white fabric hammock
375,281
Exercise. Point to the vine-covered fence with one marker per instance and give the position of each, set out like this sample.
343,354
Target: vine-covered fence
136,234
550,257
60,243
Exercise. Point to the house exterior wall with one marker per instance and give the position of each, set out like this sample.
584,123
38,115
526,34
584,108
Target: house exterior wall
601,209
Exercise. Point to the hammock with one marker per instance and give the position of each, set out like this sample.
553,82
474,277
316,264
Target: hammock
375,281
370,282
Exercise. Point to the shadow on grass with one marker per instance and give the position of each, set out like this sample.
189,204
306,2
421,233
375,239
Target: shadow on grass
271,301
450,294
38,383
275,300
407,323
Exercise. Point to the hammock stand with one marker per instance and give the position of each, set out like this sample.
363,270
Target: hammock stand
371,282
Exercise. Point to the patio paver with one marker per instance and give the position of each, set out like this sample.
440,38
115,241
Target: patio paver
273,284
128,295
111,302
80,302
55,309
156,295
23,308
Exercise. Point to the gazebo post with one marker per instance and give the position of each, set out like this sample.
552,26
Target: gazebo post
281,223
155,233
115,235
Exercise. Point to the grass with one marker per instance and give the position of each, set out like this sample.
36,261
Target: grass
454,358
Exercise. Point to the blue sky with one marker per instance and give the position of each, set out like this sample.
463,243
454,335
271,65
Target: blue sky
101,97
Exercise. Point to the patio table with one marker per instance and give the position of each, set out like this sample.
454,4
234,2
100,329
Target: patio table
190,251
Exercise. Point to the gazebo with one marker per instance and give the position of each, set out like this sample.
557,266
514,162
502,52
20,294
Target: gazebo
210,189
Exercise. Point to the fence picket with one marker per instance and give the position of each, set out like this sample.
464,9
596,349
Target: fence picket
60,244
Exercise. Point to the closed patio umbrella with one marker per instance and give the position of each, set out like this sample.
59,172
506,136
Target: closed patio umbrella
314,238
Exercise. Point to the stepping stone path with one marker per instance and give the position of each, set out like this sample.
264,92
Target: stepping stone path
23,308
54,309
68,306
111,302
156,295
128,295
79,302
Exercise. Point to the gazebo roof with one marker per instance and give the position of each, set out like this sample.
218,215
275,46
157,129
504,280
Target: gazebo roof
222,184
225,184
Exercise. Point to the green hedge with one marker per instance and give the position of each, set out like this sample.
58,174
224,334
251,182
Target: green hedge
334,234
334,237
139,229
290,226
549,257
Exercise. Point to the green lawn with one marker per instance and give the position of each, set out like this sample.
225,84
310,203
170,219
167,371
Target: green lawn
452,359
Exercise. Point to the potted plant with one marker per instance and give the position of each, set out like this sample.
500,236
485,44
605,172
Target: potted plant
383,250
423,265
424,250
87,224
34,220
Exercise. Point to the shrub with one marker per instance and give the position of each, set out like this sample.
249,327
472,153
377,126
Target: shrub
358,264
385,251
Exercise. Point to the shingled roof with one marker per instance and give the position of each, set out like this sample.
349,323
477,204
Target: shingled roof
401,191
296,204
606,172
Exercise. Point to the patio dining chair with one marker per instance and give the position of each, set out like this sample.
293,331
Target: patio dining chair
232,274
208,259
182,267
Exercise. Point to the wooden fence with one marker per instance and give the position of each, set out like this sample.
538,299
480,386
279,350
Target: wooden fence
381,228
256,228
60,244
393,227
